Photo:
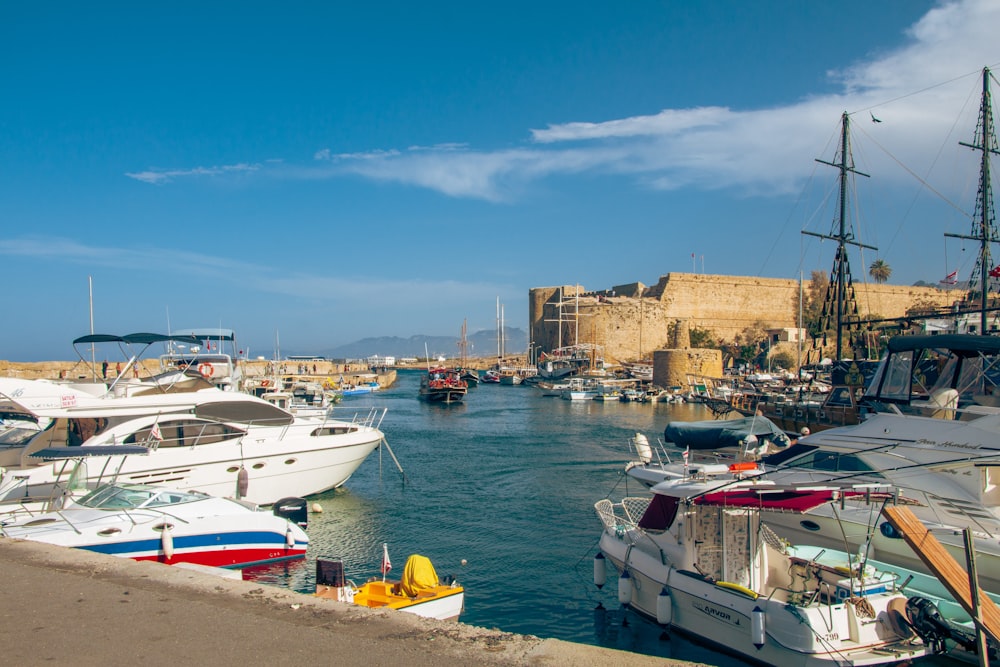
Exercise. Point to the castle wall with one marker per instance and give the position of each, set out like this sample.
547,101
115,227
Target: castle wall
631,321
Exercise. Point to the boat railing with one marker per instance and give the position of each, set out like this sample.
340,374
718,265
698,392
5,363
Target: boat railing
621,519
372,419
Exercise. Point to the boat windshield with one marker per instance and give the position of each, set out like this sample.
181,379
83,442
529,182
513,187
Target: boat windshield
827,461
919,368
121,496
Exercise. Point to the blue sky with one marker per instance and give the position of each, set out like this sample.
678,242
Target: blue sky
331,171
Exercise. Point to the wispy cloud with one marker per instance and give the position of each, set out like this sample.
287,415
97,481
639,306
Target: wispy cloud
249,276
756,150
159,176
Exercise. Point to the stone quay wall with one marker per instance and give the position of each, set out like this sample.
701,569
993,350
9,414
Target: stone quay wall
631,321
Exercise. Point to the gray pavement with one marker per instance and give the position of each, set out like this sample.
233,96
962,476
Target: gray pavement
69,607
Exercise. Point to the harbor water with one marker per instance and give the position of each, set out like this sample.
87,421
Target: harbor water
498,491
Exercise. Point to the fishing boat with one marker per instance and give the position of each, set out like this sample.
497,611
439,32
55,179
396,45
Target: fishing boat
418,591
697,558
579,389
469,375
224,443
146,522
812,407
442,385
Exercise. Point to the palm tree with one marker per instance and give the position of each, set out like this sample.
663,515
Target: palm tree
879,271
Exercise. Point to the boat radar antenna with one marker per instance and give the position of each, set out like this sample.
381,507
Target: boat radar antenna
841,303
984,278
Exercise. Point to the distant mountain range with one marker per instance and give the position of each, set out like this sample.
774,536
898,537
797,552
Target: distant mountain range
481,344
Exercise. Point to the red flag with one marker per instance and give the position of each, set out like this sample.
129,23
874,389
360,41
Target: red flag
995,271
386,563
950,279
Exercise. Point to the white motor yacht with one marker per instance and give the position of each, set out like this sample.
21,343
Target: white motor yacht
223,443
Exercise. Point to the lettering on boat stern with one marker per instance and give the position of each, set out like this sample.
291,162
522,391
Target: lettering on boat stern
718,613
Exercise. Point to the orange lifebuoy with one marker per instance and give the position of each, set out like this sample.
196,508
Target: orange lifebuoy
265,383
206,369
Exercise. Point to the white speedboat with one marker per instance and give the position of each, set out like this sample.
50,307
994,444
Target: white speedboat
223,443
697,558
146,522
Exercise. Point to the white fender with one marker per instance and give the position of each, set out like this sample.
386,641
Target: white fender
664,607
642,448
289,537
167,542
625,588
600,570
758,631
242,482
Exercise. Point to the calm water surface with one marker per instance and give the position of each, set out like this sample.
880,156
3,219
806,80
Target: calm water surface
506,481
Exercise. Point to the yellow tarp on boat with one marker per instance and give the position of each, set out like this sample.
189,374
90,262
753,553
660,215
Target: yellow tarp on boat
418,575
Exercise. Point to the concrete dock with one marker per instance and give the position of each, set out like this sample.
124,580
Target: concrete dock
66,606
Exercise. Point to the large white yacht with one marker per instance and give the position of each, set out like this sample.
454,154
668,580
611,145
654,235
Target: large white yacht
223,443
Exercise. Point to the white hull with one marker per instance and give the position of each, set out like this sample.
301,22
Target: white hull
201,441
277,468
443,609
724,618
216,532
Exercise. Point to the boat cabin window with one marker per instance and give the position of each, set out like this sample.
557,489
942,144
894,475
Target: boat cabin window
81,429
15,436
828,461
185,433
333,430
840,397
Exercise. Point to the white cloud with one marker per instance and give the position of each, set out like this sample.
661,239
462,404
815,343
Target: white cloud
757,151
249,276
157,177
667,122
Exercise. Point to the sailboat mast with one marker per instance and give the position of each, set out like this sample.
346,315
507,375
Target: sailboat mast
841,291
842,235
986,198
983,224
90,290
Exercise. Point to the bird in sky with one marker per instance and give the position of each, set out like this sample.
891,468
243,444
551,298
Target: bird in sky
874,119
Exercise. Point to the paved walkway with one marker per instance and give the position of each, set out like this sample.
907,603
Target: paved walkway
63,606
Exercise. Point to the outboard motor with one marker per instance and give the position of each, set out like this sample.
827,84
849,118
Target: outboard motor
933,628
295,510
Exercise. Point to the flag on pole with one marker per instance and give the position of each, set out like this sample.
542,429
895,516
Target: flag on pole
155,432
386,563
995,271
951,278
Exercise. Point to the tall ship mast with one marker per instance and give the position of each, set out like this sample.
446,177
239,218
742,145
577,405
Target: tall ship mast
984,278
840,307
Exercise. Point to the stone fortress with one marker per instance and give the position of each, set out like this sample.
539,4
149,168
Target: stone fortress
633,321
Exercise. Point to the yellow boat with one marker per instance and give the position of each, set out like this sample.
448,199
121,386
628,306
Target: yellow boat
419,591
